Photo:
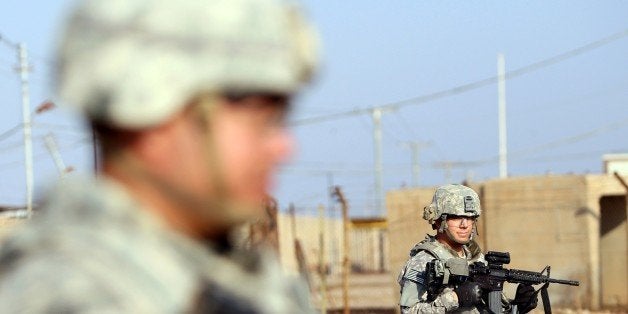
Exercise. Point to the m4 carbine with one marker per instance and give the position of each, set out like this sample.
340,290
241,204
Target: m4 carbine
490,277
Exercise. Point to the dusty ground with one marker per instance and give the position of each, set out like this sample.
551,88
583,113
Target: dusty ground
375,294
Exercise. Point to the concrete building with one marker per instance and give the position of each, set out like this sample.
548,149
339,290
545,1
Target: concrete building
575,223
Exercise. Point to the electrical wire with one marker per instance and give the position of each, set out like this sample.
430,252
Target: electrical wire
38,157
535,149
469,86
4,40
6,134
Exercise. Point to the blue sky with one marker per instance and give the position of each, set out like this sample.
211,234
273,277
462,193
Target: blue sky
561,117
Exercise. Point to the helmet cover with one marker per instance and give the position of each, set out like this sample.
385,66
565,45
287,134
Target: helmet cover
133,64
452,199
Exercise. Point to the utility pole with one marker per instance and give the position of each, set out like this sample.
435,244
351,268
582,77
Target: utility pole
501,95
51,145
379,168
446,165
298,249
333,255
345,248
23,68
322,269
26,115
415,148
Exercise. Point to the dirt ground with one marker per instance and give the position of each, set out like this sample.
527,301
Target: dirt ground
375,294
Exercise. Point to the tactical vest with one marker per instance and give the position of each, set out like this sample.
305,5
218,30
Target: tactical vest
440,252
443,253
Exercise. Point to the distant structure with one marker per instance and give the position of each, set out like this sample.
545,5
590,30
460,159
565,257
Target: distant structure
615,163
576,223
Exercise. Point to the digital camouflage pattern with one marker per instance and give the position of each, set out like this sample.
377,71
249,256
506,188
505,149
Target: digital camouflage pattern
452,199
148,58
93,249
414,298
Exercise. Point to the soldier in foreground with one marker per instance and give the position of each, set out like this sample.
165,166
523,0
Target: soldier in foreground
453,213
188,99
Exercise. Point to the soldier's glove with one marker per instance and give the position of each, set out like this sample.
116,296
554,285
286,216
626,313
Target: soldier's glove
525,298
469,294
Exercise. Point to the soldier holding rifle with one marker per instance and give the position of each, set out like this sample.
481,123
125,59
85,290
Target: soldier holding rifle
453,214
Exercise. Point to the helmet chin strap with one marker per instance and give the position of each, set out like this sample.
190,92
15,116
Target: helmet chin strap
215,214
443,223
222,209
228,211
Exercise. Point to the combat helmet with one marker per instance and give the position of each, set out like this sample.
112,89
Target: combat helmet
452,199
133,64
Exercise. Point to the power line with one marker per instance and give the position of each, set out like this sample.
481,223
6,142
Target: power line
324,171
321,168
46,126
571,156
405,125
7,42
535,149
42,156
6,134
573,139
11,146
470,86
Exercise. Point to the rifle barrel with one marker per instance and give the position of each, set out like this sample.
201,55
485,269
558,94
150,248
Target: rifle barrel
530,277
564,282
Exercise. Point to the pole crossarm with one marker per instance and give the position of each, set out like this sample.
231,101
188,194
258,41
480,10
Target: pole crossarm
23,70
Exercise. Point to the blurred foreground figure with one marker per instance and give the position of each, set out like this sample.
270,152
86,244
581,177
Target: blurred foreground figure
188,99
453,213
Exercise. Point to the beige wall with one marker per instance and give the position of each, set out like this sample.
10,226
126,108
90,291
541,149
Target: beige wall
365,244
608,249
307,230
406,227
541,220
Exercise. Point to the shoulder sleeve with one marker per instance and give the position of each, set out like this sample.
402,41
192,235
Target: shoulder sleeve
57,284
31,287
413,297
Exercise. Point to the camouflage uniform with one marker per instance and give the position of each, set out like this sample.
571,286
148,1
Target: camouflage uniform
449,200
414,298
134,66
91,250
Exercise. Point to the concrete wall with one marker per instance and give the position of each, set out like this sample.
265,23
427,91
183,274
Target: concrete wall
307,230
367,246
406,227
608,242
541,220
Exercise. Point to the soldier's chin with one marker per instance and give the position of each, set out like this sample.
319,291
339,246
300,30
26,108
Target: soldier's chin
456,239
463,240
227,216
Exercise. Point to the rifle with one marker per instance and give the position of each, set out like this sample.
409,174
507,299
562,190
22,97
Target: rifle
490,277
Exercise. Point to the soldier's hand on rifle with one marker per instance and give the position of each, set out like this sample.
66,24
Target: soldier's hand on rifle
469,294
525,298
